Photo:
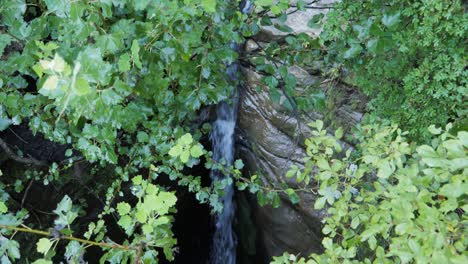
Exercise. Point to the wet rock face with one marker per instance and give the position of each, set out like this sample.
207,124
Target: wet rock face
297,21
270,141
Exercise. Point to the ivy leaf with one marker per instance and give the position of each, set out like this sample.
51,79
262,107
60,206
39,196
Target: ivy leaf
44,245
209,5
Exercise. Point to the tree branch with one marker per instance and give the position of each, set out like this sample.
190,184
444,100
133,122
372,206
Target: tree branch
13,156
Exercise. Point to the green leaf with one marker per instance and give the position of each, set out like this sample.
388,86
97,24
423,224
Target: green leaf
434,130
58,7
5,40
353,51
3,208
186,139
141,216
209,5
320,203
239,164
42,261
50,84
81,87
124,63
137,180
141,4
43,245
185,156
454,190
147,229
339,133
4,123
264,2
123,208
386,169
135,53
126,222
175,151
196,151
391,20
142,136
293,196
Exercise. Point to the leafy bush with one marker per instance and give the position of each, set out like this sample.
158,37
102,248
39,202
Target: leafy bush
389,201
120,83
407,56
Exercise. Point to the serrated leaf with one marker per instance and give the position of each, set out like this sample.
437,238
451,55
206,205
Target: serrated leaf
123,208
186,139
126,222
239,164
175,151
141,216
196,151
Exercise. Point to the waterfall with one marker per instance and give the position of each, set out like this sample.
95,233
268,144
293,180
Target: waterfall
222,138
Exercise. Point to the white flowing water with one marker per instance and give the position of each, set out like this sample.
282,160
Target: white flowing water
222,137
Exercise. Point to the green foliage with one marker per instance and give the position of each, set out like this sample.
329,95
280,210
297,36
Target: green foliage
407,56
389,201
120,82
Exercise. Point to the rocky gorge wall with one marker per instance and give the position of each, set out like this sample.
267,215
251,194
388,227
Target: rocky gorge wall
270,139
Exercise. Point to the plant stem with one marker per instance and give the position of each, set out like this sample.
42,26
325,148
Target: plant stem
89,242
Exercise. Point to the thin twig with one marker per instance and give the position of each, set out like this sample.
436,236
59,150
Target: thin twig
26,192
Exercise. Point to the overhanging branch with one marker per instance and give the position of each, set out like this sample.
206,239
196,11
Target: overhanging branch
13,156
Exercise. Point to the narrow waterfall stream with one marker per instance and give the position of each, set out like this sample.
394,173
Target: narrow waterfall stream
222,138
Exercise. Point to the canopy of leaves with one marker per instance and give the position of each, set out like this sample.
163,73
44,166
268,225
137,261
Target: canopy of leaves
408,56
